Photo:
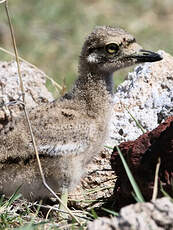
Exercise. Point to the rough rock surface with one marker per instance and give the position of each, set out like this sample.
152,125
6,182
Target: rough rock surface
142,156
33,80
156,215
10,93
148,95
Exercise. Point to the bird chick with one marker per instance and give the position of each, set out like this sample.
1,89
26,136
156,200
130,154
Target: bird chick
69,131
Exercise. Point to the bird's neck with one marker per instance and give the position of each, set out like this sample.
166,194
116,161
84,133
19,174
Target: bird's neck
95,90
90,77
98,82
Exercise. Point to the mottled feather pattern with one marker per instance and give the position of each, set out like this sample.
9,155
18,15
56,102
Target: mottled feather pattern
70,131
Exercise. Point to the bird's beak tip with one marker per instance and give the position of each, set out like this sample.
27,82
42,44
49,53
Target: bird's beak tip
147,56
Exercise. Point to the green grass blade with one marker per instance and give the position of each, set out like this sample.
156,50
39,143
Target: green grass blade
94,214
14,197
136,121
164,192
131,178
138,197
110,212
108,147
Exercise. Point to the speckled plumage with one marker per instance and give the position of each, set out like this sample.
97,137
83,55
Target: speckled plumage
70,131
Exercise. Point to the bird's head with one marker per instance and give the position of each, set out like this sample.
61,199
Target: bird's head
108,49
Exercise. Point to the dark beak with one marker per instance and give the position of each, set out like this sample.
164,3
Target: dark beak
146,56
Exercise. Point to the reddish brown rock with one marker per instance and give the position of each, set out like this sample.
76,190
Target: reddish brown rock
142,156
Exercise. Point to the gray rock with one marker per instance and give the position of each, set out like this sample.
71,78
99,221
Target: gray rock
10,93
156,215
148,95
33,80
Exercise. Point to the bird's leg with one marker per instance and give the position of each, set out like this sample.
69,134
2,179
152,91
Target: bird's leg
64,199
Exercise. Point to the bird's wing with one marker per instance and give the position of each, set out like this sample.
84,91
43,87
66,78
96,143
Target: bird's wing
65,132
57,131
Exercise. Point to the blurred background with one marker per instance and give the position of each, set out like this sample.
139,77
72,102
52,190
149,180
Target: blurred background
50,34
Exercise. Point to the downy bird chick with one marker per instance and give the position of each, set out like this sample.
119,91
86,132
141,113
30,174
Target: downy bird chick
69,131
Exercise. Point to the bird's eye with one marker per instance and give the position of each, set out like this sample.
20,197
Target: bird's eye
112,48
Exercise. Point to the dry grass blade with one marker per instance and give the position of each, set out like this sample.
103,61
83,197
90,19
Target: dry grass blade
52,208
155,190
27,117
